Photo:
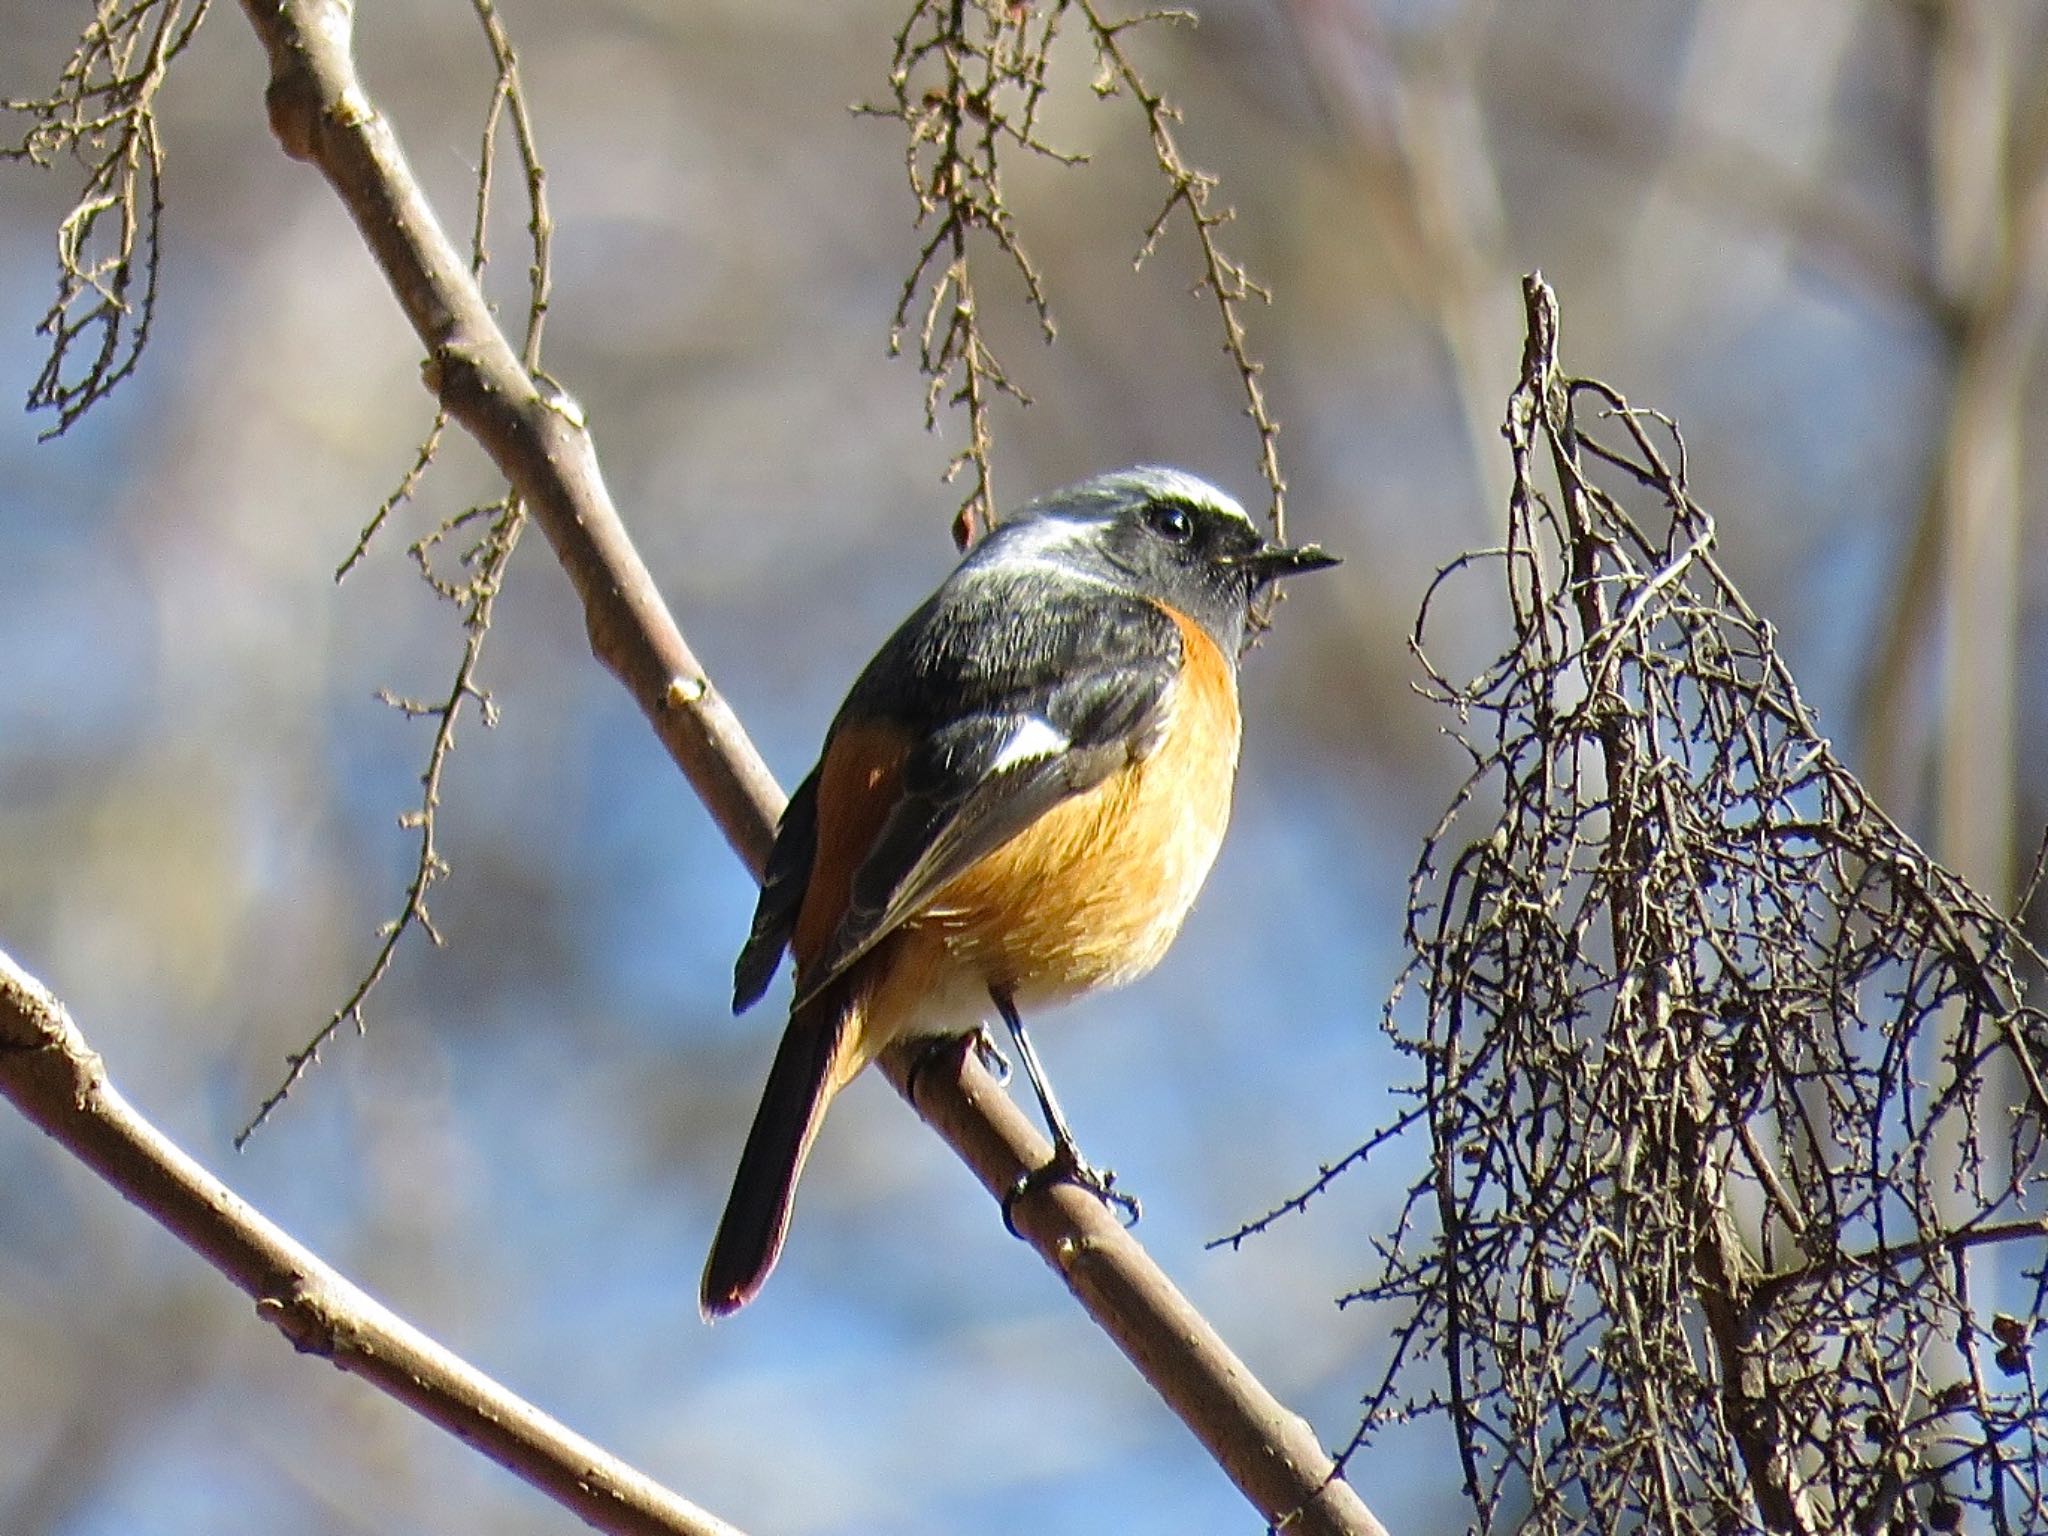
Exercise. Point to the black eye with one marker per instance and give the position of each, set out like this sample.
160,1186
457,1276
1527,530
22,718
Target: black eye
1170,521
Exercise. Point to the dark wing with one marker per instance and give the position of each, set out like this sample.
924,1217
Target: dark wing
1078,690
782,893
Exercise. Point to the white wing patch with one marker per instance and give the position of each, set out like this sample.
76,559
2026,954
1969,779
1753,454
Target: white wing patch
1034,738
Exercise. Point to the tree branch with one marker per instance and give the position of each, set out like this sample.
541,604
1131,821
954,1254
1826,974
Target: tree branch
59,1082
536,436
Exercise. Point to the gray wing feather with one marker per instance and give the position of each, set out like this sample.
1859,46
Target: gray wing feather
967,791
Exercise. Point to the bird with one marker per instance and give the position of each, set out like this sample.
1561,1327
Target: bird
1016,804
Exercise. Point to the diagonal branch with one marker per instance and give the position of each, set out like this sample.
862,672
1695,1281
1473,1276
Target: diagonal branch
59,1082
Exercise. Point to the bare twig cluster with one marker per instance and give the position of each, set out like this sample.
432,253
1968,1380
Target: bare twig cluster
1734,1216
490,533
964,80
102,116
967,82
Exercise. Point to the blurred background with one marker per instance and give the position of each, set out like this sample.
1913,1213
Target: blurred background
1816,233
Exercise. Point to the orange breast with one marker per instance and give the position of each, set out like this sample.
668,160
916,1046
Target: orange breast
1093,892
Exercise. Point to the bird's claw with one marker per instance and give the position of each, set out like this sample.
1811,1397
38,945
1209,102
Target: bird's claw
1066,1166
951,1049
991,1055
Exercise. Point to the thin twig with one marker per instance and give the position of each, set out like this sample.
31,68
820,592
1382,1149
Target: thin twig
429,867
483,564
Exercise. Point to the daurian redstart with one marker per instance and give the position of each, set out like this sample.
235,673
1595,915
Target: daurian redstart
1015,805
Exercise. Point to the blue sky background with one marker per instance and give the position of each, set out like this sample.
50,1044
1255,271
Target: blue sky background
526,1156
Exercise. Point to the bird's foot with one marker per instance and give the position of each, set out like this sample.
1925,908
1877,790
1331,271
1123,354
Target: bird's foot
991,1054
1067,1166
945,1052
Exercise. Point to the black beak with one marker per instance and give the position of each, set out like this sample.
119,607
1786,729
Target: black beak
1277,560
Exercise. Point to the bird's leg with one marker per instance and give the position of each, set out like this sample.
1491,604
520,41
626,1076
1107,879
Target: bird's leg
1066,1162
1055,1121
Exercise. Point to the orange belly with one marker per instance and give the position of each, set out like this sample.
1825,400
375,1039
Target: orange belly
1093,892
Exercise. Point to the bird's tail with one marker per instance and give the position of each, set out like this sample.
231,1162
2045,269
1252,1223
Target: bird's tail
810,1068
